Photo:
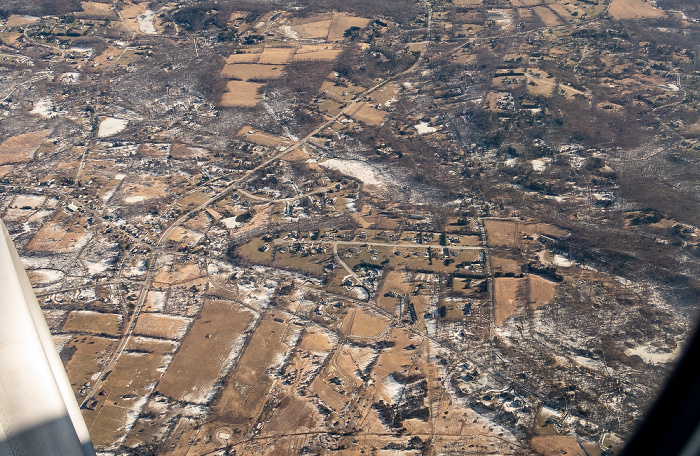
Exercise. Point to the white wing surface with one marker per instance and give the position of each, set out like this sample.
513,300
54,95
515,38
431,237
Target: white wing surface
39,414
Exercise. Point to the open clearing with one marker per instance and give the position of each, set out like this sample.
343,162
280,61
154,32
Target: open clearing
509,233
81,321
142,187
246,388
276,56
316,52
111,126
86,359
241,93
132,378
314,30
367,114
17,20
249,71
547,16
97,10
262,138
62,234
244,57
550,445
179,273
511,293
633,9
21,148
206,350
341,23
161,326
366,325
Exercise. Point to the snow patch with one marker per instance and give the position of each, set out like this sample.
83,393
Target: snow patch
424,128
652,355
538,165
45,108
146,22
111,126
354,168
134,199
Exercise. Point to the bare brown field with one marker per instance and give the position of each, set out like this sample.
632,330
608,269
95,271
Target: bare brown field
245,390
330,107
399,358
508,293
386,95
16,20
342,22
21,148
62,234
509,233
132,378
196,368
276,56
262,138
181,151
96,9
393,283
511,293
178,274
366,325
248,71
333,395
467,3
244,57
552,445
314,30
542,291
310,52
136,189
547,16
561,11
5,169
241,93
517,3
161,326
505,265
540,82
315,341
340,93
106,57
366,113
293,415
85,363
154,150
633,9
93,323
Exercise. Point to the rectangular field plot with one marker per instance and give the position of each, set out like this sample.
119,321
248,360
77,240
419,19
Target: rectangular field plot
246,388
207,348
86,354
251,71
161,326
93,323
131,379
241,93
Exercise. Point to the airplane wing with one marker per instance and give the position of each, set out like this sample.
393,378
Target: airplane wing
39,414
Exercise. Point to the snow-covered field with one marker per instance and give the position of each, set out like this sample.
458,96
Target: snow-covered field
111,126
354,168
146,22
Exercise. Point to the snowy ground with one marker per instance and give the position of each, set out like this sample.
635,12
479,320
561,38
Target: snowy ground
111,126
